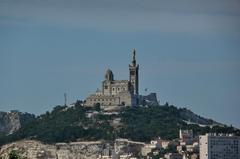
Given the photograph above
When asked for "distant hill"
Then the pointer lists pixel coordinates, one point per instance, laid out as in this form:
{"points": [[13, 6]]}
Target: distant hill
{"points": [[77, 123]]}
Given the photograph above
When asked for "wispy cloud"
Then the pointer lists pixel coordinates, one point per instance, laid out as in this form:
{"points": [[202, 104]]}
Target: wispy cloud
{"points": [[156, 16]]}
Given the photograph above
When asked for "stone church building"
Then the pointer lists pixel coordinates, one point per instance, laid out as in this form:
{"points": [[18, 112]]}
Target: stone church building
{"points": [[119, 92]]}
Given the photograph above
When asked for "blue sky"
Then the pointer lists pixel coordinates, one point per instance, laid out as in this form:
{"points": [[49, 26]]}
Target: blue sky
{"points": [[188, 51]]}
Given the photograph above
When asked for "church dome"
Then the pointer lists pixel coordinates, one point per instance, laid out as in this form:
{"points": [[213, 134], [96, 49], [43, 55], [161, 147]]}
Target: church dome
{"points": [[109, 75]]}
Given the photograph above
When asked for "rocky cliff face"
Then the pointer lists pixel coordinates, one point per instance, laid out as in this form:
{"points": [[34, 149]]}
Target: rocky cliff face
{"points": [[12, 121], [31, 149]]}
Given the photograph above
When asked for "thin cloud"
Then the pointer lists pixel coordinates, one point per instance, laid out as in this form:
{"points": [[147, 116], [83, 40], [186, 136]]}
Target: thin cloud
{"points": [[155, 16]]}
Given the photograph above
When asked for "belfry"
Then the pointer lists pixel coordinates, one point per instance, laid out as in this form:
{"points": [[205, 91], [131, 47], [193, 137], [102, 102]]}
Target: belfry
{"points": [[133, 73]]}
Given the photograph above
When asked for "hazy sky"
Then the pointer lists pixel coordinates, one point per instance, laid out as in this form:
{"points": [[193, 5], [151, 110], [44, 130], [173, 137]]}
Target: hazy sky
{"points": [[188, 51]]}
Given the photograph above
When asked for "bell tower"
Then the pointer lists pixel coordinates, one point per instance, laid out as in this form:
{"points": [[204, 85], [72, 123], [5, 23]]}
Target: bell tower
{"points": [[133, 73]]}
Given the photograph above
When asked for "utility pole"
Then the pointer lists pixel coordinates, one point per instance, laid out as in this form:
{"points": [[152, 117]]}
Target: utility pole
{"points": [[65, 99]]}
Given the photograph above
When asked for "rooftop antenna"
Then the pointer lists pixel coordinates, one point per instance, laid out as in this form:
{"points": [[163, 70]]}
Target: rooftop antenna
{"points": [[65, 99]]}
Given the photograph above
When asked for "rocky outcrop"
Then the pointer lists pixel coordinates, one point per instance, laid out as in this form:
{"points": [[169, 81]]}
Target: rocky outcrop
{"points": [[126, 147], [32, 149], [12, 121]]}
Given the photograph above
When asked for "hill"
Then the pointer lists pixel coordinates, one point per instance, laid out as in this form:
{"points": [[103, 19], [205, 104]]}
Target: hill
{"points": [[77, 123]]}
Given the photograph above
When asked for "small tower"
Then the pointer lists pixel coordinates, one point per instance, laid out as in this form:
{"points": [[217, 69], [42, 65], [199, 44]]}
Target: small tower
{"points": [[133, 73]]}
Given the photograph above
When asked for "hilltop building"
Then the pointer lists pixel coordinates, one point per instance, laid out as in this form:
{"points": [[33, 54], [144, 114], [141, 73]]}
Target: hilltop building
{"points": [[121, 92]]}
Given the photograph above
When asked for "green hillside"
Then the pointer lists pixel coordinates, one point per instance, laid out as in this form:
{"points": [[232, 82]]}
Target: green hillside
{"points": [[65, 124]]}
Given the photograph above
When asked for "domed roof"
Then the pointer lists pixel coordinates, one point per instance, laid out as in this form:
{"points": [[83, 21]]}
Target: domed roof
{"points": [[109, 71], [109, 75]]}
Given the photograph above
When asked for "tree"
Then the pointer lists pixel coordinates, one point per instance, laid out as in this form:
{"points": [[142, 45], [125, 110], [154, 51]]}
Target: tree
{"points": [[97, 107], [78, 103], [14, 155]]}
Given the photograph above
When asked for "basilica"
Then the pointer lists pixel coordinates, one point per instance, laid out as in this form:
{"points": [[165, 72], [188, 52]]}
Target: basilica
{"points": [[120, 92]]}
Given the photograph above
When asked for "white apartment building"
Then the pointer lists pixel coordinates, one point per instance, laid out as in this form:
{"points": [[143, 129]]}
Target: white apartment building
{"points": [[222, 146]]}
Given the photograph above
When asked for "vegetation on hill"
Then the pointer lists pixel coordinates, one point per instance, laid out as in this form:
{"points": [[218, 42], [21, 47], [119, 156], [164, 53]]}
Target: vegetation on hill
{"points": [[15, 155], [145, 123], [65, 124]]}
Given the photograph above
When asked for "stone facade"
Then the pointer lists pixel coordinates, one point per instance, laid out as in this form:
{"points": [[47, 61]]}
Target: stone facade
{"points": [[117, 92]]}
